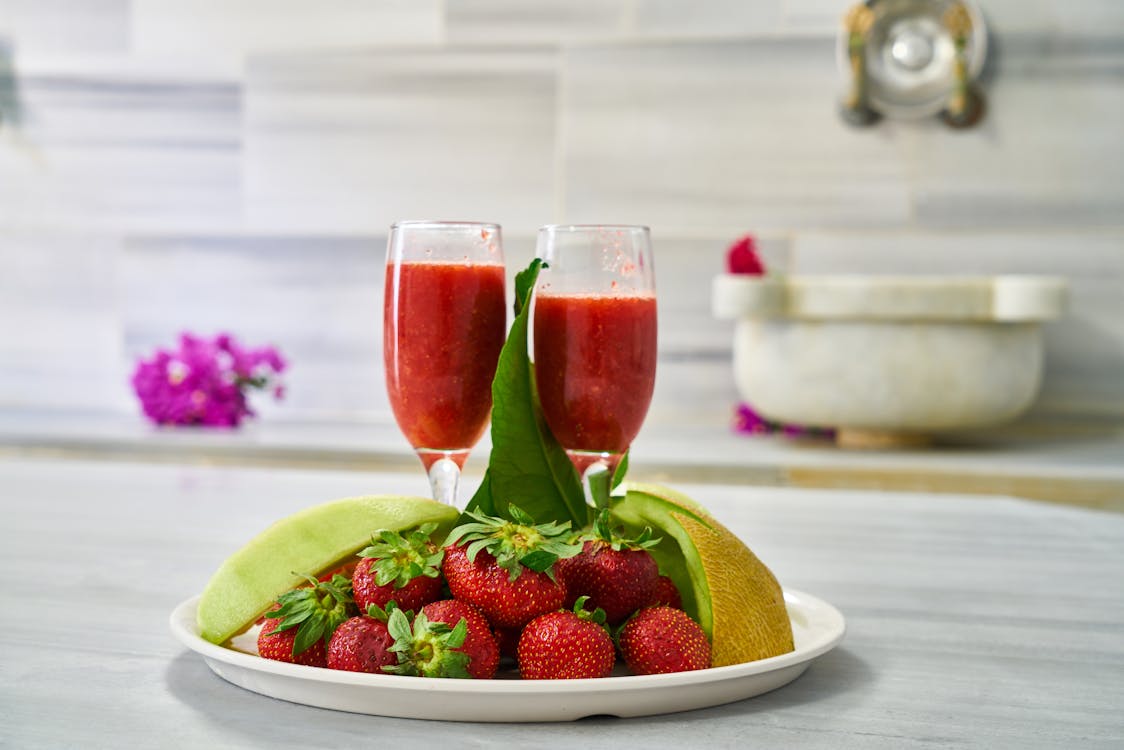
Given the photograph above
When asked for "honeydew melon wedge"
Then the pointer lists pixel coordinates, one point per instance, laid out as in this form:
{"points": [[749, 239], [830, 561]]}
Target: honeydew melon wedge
{"points": [[725, 587], [313, 541]]}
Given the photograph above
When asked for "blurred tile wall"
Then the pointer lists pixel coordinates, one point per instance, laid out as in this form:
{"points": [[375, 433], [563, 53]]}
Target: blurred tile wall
{"points": [[234, 164]]}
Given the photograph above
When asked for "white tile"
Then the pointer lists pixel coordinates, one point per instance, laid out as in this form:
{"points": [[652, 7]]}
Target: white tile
{"points": [[122, 148], [319, 300], [60, 331], [694, 392], [1049, 152], [1073, 253], [1001, 16], [234, 28], [824, 16], [1093, 18], [710, 17], [721, 137], [486, 22], [66, 27], [685, 269], [349, 143]]}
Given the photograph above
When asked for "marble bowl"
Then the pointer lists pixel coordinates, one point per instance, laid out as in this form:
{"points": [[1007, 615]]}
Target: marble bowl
{"points": [[888, 360]]}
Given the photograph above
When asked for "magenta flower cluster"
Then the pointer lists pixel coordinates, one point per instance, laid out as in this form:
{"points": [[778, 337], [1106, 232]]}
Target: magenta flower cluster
{"points": [[204, 381], [747, 421]]}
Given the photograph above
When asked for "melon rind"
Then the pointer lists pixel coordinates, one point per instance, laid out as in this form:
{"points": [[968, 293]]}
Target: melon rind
{"points": [[733, 596], [676, 554], [311, 541]]}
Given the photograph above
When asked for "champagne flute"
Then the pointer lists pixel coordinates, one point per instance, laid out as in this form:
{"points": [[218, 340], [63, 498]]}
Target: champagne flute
{"points": [[594, 341], [444, 322]]}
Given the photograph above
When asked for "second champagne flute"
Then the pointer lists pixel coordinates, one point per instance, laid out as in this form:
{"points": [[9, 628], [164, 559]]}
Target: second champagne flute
{"points": [[444, 323], [595, 340]]}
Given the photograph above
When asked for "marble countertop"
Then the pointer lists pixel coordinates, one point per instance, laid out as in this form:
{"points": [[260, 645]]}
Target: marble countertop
{"points": [[973, 621], [1076, 463]]}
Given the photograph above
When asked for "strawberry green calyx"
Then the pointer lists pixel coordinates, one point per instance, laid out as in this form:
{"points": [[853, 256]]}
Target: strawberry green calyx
{"points": [[604, 532], [316, 611], [375, 612], [428, 649], [596, 616], [516, 544], [400, 559]]}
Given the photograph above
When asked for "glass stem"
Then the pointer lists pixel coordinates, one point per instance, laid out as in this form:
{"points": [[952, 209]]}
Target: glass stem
{"points": [[444, 480], [597, 481]]}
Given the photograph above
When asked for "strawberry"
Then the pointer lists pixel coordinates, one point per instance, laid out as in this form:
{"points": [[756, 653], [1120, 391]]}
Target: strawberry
{"points": [[448, 639], [303, 621], [507, 639], [506, 567], [618, 575], [406, 569], [666, 594], [278, 645], [362, 644], [657, 640], [346, 570], [567, 644]]}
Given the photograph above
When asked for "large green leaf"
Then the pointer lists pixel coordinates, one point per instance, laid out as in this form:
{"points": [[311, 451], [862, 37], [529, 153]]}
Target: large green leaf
{"points": [[527, 467]]}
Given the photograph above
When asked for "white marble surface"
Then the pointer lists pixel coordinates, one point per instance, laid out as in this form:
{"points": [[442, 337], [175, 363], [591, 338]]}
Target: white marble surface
{"points": [[892, 353], [897, 376], [972, 622], [1004, 299]]}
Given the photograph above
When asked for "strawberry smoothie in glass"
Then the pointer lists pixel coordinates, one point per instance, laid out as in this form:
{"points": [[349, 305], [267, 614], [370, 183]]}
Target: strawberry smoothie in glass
{"points": [[444, 322], [594, 337]]}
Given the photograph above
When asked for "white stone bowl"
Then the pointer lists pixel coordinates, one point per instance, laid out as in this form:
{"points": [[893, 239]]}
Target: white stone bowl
{"points": [[888, 360]]}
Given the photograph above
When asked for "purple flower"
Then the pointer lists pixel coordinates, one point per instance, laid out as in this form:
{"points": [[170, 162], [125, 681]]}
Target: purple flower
{"points": [[203, 382], [748, 421]]}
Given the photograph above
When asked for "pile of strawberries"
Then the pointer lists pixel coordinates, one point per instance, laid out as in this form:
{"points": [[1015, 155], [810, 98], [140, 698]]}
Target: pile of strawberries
{"points": [[561, 606]]}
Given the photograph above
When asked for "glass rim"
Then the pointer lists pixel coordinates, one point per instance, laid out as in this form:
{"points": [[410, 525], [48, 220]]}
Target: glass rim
{"points": [[443, 224], [585, 227]]}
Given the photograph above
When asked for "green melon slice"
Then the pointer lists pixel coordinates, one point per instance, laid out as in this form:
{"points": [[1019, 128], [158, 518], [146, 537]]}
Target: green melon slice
{"points": [[725, 587], [313, 541]]}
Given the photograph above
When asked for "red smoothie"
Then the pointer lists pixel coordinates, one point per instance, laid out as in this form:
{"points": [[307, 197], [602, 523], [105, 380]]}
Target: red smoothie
{"points": [[595, 364], [442, 335]]}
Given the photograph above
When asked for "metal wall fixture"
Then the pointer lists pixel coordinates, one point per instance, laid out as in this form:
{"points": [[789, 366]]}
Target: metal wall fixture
{"points": [[912, 59]]}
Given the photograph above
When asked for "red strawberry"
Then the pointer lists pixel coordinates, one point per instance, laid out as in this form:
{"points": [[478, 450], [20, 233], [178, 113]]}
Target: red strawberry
{"points": [[666, 594], [278, 645], [346, 570], [618, 575], [506, 567], [741, 257], [658, 640], [362, 644], [304, 620], [406, 570], [567, 644], [507, 639], [448, 639]]}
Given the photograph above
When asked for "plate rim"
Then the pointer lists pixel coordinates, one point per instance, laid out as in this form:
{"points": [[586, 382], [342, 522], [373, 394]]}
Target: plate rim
{"points": [[185, 629]]}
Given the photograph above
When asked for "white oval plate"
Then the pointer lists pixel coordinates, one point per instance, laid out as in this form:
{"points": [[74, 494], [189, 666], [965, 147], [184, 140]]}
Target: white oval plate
{"points": [[817, 627]]}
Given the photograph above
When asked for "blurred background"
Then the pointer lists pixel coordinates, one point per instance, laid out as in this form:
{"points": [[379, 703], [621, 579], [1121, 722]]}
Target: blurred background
{"points": [[234, 165]]}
